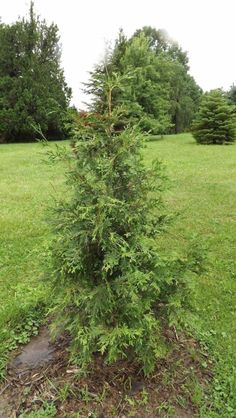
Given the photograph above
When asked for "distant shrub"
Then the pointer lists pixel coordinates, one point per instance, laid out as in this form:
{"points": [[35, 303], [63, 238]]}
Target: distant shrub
{"points": [[152, 125], [215, 120]]}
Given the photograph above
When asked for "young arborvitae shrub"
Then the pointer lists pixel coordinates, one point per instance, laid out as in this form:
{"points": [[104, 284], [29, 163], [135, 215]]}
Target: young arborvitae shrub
{"points": [[117, 289], [215, 120]]}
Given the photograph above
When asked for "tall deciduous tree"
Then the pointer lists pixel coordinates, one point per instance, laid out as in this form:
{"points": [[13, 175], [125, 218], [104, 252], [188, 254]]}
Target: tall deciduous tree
{"points": [[32, 85], [160, 42], [144, 95], [149, 87], [184, 98], [185, 94], [161, 94]]}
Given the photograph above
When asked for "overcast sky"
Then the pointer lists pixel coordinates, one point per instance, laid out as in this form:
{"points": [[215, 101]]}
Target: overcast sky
{"points": [[204, 28]]}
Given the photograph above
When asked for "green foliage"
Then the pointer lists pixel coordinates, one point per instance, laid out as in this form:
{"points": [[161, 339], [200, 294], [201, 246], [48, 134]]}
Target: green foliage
{"points": [[149, 86], [23, 332], [215, 121], [19, 331], [161, 96], [25, 192], [116, 286], [48, 410], [159, 42], [183, 92], [232, 94], [28, 181], [32, 85], [143, 97], [184, 98]]}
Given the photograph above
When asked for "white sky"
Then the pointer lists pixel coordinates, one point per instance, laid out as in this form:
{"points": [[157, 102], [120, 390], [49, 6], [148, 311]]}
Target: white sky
{"points": [[204, 28]]}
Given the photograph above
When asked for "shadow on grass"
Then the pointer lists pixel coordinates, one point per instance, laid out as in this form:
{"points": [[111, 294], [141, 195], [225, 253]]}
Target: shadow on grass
{"points": [[155, 138]]}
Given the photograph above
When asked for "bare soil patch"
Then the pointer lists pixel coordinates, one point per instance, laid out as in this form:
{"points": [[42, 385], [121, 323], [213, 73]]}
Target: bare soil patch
{"points": [[41, 371]]}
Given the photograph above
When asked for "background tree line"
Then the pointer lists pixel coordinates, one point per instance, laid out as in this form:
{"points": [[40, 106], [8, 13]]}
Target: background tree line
{"points": [[160, 93], [157, 91]]}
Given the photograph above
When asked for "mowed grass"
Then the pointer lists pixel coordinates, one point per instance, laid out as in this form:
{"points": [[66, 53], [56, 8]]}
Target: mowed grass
{"points": [[203, 191], [26, 189]]}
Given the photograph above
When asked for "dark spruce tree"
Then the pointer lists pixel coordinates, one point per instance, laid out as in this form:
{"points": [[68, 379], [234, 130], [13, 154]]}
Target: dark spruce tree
{"points": [[215, 120], [116, 288], [32, 85]]}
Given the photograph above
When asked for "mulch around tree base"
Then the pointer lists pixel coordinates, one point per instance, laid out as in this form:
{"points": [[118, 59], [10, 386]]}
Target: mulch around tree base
{"points": [[118, 390]]}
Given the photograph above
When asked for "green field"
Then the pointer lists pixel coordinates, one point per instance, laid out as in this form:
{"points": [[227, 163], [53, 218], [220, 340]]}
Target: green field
{"points": [[203, 180], [26, 190]]}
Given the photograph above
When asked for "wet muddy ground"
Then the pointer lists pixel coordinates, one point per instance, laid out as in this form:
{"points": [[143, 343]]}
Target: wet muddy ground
{"points": [[37, 352], [41, 371], [27, 367]]}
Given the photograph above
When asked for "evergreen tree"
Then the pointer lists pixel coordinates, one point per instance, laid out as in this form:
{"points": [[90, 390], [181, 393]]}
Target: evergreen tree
{"points": [[215, 121], [32, 84], [117, 288]]}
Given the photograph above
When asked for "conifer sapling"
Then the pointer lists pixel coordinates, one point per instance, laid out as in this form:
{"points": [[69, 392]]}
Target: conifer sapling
{"points": [[116, 287]]}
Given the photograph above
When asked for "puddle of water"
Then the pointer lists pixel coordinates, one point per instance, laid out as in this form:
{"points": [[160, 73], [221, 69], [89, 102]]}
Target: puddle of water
{"points": [[37, 352]]}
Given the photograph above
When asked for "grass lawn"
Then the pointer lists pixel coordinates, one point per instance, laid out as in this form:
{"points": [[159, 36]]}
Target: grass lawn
{"points": [[203, 180], [203, 190], [26, 189]]}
